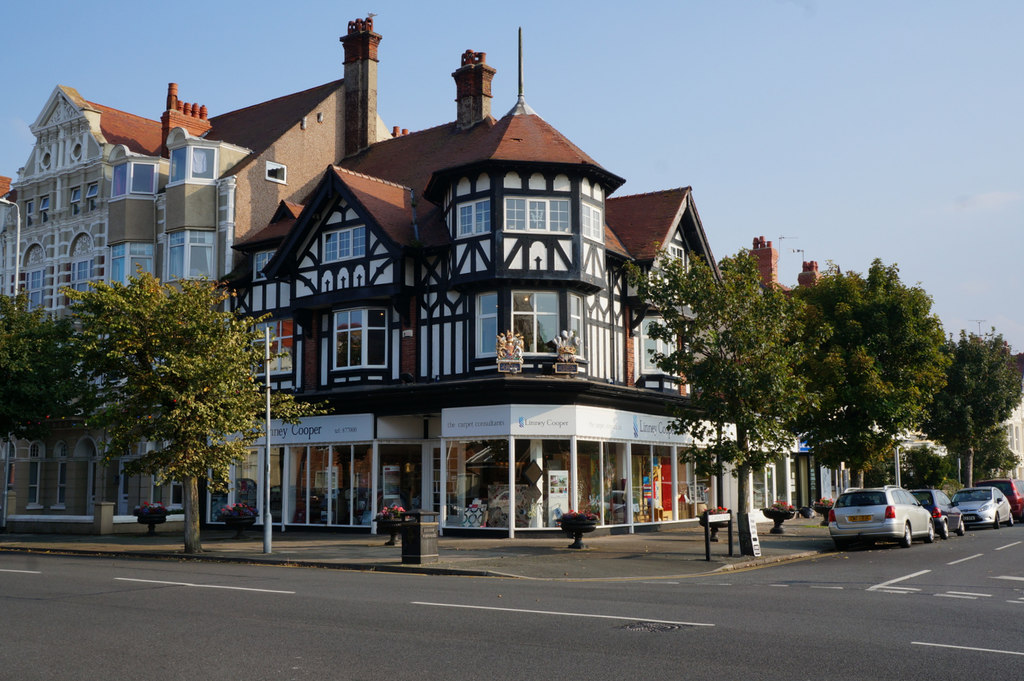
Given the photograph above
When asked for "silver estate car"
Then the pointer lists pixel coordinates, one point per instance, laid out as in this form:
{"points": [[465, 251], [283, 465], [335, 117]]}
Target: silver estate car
{"points": [[879, 513], [983, 506]]}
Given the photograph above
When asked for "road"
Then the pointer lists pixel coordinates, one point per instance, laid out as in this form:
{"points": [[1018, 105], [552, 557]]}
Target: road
{"points": [[951, 607]]}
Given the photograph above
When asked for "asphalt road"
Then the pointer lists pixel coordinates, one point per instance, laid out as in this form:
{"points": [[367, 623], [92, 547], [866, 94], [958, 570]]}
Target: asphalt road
{"points": [[945, 610]]}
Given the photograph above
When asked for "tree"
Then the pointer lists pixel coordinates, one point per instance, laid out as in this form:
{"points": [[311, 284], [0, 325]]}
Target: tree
{"points": [[172, 367], [875, 361], [735, 344], [982, 388], [41, 377], [924, 467]]}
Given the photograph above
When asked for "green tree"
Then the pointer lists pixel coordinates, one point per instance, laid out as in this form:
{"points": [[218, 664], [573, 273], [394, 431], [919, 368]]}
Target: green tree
{"points": [[922, 466], [875, 361], [172, 367], [41, 377], [735, 344], [982, 388]]}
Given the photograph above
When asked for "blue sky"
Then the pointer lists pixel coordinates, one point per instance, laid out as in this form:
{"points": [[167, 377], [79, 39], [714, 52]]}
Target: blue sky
{"points": [[841, 131]]}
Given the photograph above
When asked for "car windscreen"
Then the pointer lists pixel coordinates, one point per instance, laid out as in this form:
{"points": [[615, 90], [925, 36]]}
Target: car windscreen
{"points": [[861, 499], [972, 495], [1003, 486], [923, 497]]}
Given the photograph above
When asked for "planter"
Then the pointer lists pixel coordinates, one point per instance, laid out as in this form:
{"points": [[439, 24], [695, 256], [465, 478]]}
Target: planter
{"points": [[238, 524], [391, 528], [576, 529], [151, 519], [777, 517], [714, 528], [823, 510]]}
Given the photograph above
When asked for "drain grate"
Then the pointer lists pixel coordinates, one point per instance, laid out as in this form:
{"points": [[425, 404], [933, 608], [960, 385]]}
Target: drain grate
{"points": [[653, 627]]}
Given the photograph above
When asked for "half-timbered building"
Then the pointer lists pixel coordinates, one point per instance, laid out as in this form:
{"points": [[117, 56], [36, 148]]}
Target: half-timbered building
{"points": [[458, 298]]}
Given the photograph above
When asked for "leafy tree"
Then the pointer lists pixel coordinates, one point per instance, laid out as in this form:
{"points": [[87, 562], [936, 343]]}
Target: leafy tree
{"points": [[875, 361], [41, 377], [982, 388], [172, 367], [735, 344], [922, 466]]}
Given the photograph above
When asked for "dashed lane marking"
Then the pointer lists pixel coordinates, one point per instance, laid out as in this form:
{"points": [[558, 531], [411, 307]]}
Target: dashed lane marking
{"points": [[979, 650], [964, 560], [884, 585], [1007, 546], [563, 614]]}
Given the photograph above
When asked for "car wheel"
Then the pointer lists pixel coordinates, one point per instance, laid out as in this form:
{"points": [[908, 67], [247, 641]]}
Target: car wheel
{"points": [[930, 537], [960, 528], [944, 529], [908, 538], [995, 523], [1009, 520]]}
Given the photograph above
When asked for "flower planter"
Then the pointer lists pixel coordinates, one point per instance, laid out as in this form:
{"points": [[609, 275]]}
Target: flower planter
{"points": [[823, 510], [238, 524], [777, 517], [390, 527], [576, 529], [714, 527], [151, 519]]}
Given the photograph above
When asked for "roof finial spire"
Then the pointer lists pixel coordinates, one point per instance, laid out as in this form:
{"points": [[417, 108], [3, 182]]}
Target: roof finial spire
{"points": [[521, 106]]}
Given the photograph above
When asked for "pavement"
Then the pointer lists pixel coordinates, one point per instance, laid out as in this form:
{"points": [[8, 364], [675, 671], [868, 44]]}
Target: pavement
{"points": [[668, 552]]}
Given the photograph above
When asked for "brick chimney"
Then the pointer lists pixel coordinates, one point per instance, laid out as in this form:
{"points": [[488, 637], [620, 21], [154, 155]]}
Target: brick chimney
{"points": [[767, 260], [179, 114], [473, 89], [809, 276], [360, 85]]}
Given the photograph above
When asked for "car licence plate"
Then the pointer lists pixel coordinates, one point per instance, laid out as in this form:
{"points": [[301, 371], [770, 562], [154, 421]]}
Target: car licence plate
{"points": [[970, 516], [858, 518]]}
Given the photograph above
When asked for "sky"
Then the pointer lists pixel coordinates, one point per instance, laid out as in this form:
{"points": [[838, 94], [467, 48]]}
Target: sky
{"points": [[842, 131]]}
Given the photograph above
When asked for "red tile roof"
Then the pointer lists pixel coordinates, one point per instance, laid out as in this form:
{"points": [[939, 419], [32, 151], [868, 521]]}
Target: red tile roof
{"points": [[258, 126], [280, 225], [139, 134], [644, 221]]}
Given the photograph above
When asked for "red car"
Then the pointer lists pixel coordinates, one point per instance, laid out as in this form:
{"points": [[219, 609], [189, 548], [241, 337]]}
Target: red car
{"points": [[1012, 489]]}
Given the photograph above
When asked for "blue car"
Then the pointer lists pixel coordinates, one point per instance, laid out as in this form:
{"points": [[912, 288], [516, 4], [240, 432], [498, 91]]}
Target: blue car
{"points": [[945, 515]]}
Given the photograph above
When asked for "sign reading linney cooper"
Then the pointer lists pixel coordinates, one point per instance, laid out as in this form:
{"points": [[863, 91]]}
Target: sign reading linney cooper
{"points": [[321, 430]]}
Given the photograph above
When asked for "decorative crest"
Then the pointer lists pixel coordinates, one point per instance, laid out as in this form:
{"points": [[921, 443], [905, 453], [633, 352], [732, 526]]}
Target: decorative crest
{"points": [[568, 345], [510, 352]]}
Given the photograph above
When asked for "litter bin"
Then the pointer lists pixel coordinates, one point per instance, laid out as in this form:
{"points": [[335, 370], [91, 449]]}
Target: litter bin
{"points": [[419, 537]]}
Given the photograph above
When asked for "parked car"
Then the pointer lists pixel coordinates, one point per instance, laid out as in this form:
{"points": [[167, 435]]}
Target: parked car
{"points": [[1012, 489], [945, 516], [983, 506], [887, 513]]}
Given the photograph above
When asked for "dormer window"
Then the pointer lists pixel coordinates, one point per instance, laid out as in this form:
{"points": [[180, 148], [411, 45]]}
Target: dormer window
{"points": [[133, 178], [277, 172], [193, 163], [537, 214], [344, 244], [259, 261]]}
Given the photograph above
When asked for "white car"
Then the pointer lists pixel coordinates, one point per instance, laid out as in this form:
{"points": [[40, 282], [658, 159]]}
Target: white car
{"points": [[983, 506], [872, 513]]}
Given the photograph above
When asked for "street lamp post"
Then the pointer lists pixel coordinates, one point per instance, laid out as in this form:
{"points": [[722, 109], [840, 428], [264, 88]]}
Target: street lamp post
{"points": [[17, 241]]}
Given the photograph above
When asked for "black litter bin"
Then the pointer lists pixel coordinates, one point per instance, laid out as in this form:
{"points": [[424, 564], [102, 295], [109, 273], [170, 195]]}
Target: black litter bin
{"points": [[419, 537]]}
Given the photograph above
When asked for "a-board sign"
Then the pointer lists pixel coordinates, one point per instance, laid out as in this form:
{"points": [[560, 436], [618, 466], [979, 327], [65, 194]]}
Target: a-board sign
{"points": [[749, 545]]}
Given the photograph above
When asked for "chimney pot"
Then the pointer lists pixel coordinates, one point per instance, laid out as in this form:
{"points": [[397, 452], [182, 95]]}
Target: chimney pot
{"points": [[394, 131], [405, 131]]}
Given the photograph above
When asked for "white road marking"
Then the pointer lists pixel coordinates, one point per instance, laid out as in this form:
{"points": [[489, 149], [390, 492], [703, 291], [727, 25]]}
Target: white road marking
{"points": [[969, 593], [963, 560], [564, 614], [201, 586], [898, 579], [1015, 579], [24, 572], [980, 650], [1017, 602], [1007, 546], [952, 595], [784, 586], [828, 587]]}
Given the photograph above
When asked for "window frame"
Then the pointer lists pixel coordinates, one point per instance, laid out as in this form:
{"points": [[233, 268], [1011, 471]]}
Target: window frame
{"points": [[35, 474], [187, 246], [521, 218], [486, 343], [476, 223], [282, 339], [92, 192], [131, 178], [351, 242], [259, 262], [35, 285], [270, 170], [186, 156], [84, 266], [592, 222], [647, 365], [44, 209], [366, 345], [75, 200], [122, 264], [534, 334]]}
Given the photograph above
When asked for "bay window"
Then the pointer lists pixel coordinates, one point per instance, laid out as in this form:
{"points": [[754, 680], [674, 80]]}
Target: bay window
{"points": [[592, 219], [535, 318], [129, 258], [193, 163], [190, 254], [474, 217], [538, 214], [133, 178], [360, 338]]}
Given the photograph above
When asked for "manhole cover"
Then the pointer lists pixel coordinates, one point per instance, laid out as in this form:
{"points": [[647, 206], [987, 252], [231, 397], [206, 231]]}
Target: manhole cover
{"points": [[650, 626]]}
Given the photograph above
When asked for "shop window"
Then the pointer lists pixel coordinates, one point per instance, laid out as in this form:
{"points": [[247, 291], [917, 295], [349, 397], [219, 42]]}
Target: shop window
{"points": [[477, 484]]}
